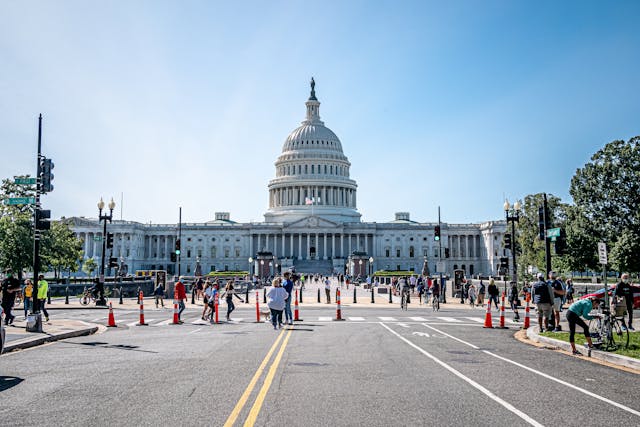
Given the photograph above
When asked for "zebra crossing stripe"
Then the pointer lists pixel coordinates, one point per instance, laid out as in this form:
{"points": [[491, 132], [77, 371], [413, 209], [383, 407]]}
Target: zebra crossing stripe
{"points": [[450, 319], [324, 319], [357, 319], [476, 319], [418, 319], [388, 319]]}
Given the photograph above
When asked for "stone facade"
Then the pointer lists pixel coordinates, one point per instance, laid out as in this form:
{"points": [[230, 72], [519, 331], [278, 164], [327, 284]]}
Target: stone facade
{"points": [[312, 223]]}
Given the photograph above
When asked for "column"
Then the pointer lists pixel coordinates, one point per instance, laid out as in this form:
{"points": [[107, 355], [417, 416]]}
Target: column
{"points": [[349, 236], [366, 243], [342, 245], [266, 241], [459, 248], [283, 248], [291, 244], [250, 244], [324, 254], [317, 246], [333, 245], [299, 245], [308, 245]]}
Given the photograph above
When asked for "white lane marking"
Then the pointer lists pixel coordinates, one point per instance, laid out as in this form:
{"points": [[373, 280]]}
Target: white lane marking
{"points": [[404, 325], [147, 321], [421, 334], [450, 319], [476, 319], [324, 319], [542, 374], [471, 382], [418, 319], [357, 319], [388, 319], [195, 330], [164, 322], [98, 318]]}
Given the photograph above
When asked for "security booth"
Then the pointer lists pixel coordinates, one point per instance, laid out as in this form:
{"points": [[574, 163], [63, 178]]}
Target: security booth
{"points": [[264, 264], [358, 264], [458, 283]]}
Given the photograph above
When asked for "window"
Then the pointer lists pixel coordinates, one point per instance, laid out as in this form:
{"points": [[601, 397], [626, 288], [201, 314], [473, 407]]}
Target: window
{"points": [[213, 252], [425, 252], [306, 169], [237, 253], [189, 239], [397, 253], [188, 253], [200, 253], [386, 252], [313, 169], [226, 253], [411, 251]]}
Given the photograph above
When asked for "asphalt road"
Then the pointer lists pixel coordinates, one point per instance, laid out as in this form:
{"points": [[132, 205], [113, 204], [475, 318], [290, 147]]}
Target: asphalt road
{"points": [[380, 367]]}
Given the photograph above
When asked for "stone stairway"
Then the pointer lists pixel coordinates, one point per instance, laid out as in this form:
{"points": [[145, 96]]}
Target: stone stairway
{"points": [[313, 266]]}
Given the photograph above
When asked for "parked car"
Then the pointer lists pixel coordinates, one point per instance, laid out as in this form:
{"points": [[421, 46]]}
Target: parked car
{"points": [[1, 332], [600, 294]]}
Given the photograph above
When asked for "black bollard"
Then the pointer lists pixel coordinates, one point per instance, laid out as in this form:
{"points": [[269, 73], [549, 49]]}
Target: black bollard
{"points": [[390, 299], [48, 297], [372, 297], [138, 293], [193, 295], [66, 295], [354, 295], [120, 302], [300, 295], [264, 296], [246, 298], [318, 294]]}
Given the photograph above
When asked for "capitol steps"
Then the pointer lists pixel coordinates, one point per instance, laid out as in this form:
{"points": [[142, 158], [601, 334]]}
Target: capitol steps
{"points": [[313, 266]]}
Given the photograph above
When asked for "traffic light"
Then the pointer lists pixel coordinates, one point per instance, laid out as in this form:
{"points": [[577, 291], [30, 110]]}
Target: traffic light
{"points": [[504, 263], [46, 176], [446, 252], [177, 246], [174, 257], [561, 243], [109, 240], [113, 261], [436, 236], [541, 223], [507, 241], [42, 219]]}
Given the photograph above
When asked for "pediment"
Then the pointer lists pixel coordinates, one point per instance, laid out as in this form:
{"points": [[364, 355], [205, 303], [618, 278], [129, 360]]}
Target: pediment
{"points": [[312, 221], [82, 222]]}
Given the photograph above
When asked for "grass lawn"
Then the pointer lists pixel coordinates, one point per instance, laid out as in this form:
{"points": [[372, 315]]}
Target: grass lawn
{"points": [[632, 351]]}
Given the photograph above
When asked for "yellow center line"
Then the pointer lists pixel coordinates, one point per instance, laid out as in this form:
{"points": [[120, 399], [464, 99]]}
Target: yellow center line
{"points": [[255, 409], [245, 396]]}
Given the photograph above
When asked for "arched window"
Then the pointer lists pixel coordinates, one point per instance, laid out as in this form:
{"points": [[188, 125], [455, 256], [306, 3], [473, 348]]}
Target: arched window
{"points": [[312, 169], [455, 266], [410, 251], [306, 169]]}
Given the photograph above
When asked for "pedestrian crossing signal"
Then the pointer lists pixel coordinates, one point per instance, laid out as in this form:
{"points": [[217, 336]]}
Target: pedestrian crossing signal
{"points": [[436, 236]]}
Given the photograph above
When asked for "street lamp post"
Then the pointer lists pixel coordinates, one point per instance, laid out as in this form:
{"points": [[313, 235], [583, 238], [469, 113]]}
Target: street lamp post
{"points": [[512, 214], [371, 278], [104, 218], [262, 269], [250, 269], [360, 268]]}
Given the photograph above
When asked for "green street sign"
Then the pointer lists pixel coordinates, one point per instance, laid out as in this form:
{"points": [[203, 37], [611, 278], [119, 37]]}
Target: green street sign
{"points": [[24, 181], [97, 238], [20, 201], [553, 232]]}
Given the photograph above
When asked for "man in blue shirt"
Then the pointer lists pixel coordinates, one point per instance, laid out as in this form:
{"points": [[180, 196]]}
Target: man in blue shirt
{"points": [[288, 286]]}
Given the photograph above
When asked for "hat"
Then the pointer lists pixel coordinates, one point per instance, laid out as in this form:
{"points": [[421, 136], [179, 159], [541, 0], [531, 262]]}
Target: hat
{"points": [[540, 276]]}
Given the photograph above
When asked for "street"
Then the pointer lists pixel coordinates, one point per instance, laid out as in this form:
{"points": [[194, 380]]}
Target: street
{"points": [[380, 366]]}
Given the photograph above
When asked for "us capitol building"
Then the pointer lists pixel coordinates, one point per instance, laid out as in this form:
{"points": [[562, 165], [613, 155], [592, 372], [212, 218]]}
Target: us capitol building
{"points": [[312, 224]]}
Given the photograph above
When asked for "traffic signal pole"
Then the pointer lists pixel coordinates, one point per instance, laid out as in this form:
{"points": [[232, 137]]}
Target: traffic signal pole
{"points": [[36, 239], [547, 242], [179, 237]]}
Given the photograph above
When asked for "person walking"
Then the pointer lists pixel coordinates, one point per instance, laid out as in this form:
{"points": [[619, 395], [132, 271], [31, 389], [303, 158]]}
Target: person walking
{"points": [[570, 291], [493, 293], [481, 291], [473, 294], [327, 289], [158, 294], [43, 290], [228, 294], [9, 287], [27, 294], [276, 296], [182, 296], [514, 301], [288, 286], [558, 294], [542, 294], [578, 309], [624, 290]]}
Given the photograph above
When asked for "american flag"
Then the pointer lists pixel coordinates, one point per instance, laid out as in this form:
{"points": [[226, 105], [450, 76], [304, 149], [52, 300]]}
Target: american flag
{"points": [[311, 201]]}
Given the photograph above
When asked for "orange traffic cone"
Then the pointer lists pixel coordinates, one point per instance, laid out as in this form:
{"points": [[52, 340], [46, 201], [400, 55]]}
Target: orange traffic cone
{"points": [[502, 326], [141, 322], [487, 317], [258, 307], [112, 320], [176, 318], [526, 314], [338, 309], [296, 313]]}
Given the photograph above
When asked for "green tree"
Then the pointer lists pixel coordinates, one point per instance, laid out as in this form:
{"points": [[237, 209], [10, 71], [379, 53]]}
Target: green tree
{"points": [[624, 254], [16, 242], [61, 249], [89, 266]]}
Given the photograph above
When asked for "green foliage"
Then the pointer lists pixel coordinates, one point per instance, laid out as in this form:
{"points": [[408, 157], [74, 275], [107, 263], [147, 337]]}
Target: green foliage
{"points": [[61, 249], [89, 266], [625, 252], [9, 189], [394, 273], [16, 242]]}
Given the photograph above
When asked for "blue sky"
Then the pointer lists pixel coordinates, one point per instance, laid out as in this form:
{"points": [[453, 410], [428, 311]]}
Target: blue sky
{"points": [[188, 103]]}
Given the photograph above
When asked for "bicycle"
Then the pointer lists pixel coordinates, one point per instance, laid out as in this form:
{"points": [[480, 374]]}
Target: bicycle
{"points": [[404, 301], [435, 302], [87, 297], [608, 331]]}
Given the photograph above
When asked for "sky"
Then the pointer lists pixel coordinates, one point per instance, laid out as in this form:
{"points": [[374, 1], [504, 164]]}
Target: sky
{"points": [[457, 105]]}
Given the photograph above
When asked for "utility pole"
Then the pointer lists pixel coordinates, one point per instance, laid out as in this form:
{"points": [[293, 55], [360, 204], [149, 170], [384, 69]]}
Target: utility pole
{"points": [[547, 242], [179, 238], [36, 238], [442, 292]]}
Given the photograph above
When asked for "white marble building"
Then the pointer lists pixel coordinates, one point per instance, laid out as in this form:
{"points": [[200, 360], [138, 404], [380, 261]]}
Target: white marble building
{"points": [[312, 223]]}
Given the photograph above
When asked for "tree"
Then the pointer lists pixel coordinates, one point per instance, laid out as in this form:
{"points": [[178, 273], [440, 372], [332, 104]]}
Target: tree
{"points": [[89, 266], [61, 249], [624, 254], [16, 242]]}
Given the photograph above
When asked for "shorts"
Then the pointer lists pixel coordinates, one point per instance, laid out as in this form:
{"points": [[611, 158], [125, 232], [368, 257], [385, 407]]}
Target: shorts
{"points": [[557, 303], [544, 309]]}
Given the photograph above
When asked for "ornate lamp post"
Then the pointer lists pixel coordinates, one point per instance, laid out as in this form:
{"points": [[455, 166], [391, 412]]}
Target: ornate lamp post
{"points": [[104, 218], [360, 267], [371, 278], [250, 269], [512, 214], [262, 269]]}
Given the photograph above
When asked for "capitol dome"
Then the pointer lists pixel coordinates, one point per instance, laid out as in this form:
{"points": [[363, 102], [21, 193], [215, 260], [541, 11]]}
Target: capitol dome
{"points": [[312, 174]]}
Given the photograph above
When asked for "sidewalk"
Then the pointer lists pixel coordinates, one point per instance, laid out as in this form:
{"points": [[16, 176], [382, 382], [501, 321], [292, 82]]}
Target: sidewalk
{"points": [[17, 338]]}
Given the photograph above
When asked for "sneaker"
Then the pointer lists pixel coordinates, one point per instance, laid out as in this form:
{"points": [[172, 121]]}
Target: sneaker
{"points": [[557, 330], [290, 322], [624, 328], [576, 353], [631, 328], [46, 319]]}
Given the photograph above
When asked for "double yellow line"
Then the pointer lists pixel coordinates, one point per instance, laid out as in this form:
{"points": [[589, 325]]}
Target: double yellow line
{"points": [[257, 405]]}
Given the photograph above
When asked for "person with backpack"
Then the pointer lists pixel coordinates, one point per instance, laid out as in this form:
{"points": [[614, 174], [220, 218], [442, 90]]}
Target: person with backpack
{"points": [[481, 291], [514, 301], [493, 293], [542, 294]]}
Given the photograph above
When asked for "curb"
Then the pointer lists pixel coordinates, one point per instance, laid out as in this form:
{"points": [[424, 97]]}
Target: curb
{"points": [[616, 359], [30, 342]]}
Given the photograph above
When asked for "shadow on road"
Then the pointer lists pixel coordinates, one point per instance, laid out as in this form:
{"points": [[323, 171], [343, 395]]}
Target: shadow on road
{"points": [[9, 382], [114, 346]]}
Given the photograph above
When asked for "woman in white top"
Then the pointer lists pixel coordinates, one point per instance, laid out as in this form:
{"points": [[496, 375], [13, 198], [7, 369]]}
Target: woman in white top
{"points": [[276, 297]]}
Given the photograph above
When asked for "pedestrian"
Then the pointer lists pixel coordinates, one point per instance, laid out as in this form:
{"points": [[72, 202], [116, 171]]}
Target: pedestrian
{"points": [[481, 292], [570, 291], [493, 292], [542, 294], [207, 295], [420, 289], [558, 293], [43, 290], [228, 294], [581, 308], [327, 289], [514, 301], [158, 294], [473, 294], [625, 291], [27, 294], [182, 296], [288, 286], [199, 288], [10, 285], [276, 296]]}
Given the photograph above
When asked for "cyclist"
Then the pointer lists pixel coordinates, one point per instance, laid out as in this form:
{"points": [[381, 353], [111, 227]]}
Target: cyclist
{"points": [[404, 287], [578, 309], [435, 290]]}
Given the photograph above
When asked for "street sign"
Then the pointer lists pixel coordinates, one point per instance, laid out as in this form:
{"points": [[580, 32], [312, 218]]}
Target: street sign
{"points": [[602, 253], [553, 232], [440, 268], [24, 181], [20, 201], [97, 238]]}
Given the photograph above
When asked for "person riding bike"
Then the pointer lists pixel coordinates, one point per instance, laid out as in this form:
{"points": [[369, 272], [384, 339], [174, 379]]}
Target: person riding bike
{"points": [[404, 287]]}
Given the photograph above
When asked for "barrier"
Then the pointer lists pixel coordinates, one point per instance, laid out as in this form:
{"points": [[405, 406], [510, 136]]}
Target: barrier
{"points": [[296, 313], [318, 295], [338, 309], [501, 325], [246, 297], [258, 307], [354, 295], [526, 313], [176, 318], [390, 299], [112, 319], [141, 299], [487, 317], [216, 306]]}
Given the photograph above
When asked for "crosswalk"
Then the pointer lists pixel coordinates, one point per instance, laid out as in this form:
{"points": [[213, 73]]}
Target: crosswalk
{"points": [[462, 320]]}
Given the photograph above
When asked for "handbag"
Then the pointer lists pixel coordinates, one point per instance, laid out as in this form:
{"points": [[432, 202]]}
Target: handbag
{"points": [[518, 303]]}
